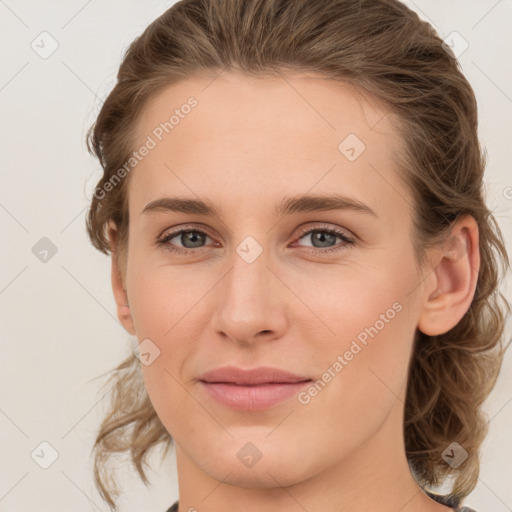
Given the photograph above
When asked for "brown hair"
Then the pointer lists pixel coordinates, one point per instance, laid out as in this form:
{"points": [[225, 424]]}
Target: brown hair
{"points": [[383, 48]]}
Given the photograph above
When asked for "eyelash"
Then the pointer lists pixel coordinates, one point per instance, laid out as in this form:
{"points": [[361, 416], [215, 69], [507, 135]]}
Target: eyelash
{"points": [[347, 241]]}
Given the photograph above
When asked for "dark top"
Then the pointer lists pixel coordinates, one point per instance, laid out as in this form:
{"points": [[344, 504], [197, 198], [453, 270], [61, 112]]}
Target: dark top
{"points": [[447, 500], [444, 500]]}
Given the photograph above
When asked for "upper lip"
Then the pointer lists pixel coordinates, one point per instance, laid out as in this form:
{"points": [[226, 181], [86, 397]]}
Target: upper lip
{"points": [[260, 375]]}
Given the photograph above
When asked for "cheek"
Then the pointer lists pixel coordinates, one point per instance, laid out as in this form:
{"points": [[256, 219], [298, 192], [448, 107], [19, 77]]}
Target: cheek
{"points": [[364, 374], [360, 341], [162, 319], [159, 301], [363, 302], [370, 321]]}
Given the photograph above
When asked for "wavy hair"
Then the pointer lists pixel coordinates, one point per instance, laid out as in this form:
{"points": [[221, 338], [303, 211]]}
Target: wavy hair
{"points": [[381, 48]]}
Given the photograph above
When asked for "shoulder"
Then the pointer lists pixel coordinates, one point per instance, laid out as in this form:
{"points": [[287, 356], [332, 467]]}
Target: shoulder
{"points": [[174, 508]]}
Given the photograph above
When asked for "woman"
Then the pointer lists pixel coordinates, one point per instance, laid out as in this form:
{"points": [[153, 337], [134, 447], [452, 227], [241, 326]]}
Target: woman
{"points": [[292, 199]]}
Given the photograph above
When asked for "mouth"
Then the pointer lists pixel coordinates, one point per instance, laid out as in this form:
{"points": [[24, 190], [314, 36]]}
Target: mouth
{"points": [[251, 390], [252, 397]]}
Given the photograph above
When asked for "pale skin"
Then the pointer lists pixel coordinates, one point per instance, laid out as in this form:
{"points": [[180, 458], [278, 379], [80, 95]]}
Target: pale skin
{"points": [[248, 144]]}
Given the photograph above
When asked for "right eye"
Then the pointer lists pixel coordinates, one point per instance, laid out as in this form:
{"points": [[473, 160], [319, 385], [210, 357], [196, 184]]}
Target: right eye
{"points": [[183, 236]]}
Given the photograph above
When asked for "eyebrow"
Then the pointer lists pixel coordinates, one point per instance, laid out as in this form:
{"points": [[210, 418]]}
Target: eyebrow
{"points": [[289, 205]]}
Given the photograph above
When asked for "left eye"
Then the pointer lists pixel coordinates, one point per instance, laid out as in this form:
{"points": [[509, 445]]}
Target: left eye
{"points": [[326, 236], [193, 238]]}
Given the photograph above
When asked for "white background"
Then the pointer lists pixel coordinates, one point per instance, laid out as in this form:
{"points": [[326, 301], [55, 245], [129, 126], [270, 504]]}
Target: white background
{"points": [[58, 329]]}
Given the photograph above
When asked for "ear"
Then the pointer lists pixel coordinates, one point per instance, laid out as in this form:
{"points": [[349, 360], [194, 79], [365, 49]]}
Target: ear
{"points": [[118, 287], [452, 283]]}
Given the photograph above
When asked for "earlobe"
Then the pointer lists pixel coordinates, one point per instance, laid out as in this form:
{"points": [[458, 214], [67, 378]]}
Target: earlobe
{"points": [[453, 280], [123, 309]]}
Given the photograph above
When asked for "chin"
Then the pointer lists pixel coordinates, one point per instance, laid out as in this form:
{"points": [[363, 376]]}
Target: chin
{"points": [[255, 464], [264, 474]]}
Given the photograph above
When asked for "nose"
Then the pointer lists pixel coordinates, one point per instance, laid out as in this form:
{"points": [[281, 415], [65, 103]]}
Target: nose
{"points": [[252, 302]]}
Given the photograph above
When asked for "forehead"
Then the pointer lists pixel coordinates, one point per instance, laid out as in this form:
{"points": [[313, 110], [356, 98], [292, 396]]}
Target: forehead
{"points": [[297, 133], [305, 104]]}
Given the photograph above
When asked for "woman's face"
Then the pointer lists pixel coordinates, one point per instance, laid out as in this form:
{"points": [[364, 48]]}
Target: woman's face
{"points": [[267, 281]]}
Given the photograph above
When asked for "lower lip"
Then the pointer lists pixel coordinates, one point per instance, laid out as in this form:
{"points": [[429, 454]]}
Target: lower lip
{"points": [[252, 398]]}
